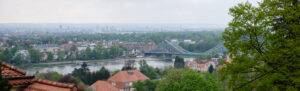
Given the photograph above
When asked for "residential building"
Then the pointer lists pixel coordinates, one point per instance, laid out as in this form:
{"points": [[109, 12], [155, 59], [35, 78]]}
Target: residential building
{"points": [[19, 81], [123, 81], [103, 86], [201, 66]]}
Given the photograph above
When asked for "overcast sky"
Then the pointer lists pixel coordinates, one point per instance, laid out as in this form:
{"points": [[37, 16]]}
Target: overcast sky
{"points": [[117, 11]]}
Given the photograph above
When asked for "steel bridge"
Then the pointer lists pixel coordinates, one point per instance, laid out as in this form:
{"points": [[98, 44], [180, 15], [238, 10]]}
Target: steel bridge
{"points": [[169, 49]]}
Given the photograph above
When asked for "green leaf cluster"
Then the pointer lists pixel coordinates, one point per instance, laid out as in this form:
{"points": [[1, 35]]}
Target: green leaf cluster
{"points": [[263, 43]]}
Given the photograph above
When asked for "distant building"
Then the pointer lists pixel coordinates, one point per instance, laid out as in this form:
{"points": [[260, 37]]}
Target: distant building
{"points": [[149, 46], [174, 41], [19, 81], [201, 66], [48, 48], [188, 41], [123, 81]]}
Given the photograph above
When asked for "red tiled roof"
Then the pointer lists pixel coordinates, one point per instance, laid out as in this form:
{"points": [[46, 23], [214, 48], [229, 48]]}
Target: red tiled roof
{"points": [[46, 85], [11, 71], [17, 77], [122, 77], [128, 76], [103, 86], [21, 80]]}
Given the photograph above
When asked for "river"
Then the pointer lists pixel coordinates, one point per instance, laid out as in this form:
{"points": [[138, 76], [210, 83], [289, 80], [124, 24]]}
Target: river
{"points": [[94, 65]]}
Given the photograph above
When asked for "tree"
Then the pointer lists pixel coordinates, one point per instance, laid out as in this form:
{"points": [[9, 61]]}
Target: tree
{"points": [[99, 52], [148, 70], [88, 52], [2, 55], [187, 80], [211, 69], [4, 86], [17, 59], [148, 85], [35, 55], [61, 55], [73, 53], [263, 44], [53, 76], [8, 54], [179, 62], [82, 73], [68, 79], [115, 51], [50, 56], [102, 74]]}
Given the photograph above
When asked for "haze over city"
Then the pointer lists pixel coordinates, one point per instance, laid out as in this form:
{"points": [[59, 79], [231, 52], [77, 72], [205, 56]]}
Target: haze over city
{"points": [[117, 11], [149, 45]]}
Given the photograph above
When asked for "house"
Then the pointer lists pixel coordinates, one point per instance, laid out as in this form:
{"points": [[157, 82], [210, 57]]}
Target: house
{"points": [[19, 81], [48, 48], [123, 81], [103, 86]]}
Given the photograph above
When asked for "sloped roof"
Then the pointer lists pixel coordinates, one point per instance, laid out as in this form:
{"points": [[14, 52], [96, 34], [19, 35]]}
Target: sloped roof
{"points": [[17, 77], [47, 85], [128, 76], [11, 71], [103, 86], [21, 80]]}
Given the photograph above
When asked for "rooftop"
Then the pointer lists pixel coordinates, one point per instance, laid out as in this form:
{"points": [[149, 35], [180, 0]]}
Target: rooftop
{"points": [[103, 86], [11, 71], [47, 85], [128, 76], [17, 77]]}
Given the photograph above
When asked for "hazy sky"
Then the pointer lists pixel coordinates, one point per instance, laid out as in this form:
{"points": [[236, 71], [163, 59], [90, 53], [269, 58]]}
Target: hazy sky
{"points": [[117, 11]]}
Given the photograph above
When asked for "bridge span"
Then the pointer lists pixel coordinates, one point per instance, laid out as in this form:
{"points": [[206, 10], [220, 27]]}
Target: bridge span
{"points": [[169, 49]]}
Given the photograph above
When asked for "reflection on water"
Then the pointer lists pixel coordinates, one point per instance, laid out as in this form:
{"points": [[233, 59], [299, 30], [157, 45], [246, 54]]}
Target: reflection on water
{"points": [[94, 66]]}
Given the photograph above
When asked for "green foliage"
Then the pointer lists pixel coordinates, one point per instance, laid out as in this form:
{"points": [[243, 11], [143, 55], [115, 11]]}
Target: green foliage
{"points": [[207, 41], [100, 53], [179, 62], [69, 79], [53, 76], [17, 59], [35, 55], [264, 46], [50, 56], [148, 85], [211, 69], [204, 39], [8, 54], [102, 74], [148, 70], [187, 80], [82, 73], [61, 55], [87, 77]]}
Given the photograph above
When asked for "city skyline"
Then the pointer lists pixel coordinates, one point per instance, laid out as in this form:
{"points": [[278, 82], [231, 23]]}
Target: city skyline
{"points": [[117, 11]]}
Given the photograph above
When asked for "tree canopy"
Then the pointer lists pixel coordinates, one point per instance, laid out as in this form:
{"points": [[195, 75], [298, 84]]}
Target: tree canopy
{"points": [[148, 85], [148, 70], [187, 80], [179, 62], [263, 42]]}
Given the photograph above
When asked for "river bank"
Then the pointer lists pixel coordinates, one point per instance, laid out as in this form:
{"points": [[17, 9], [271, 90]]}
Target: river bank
{"points": [[66, 67]]}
